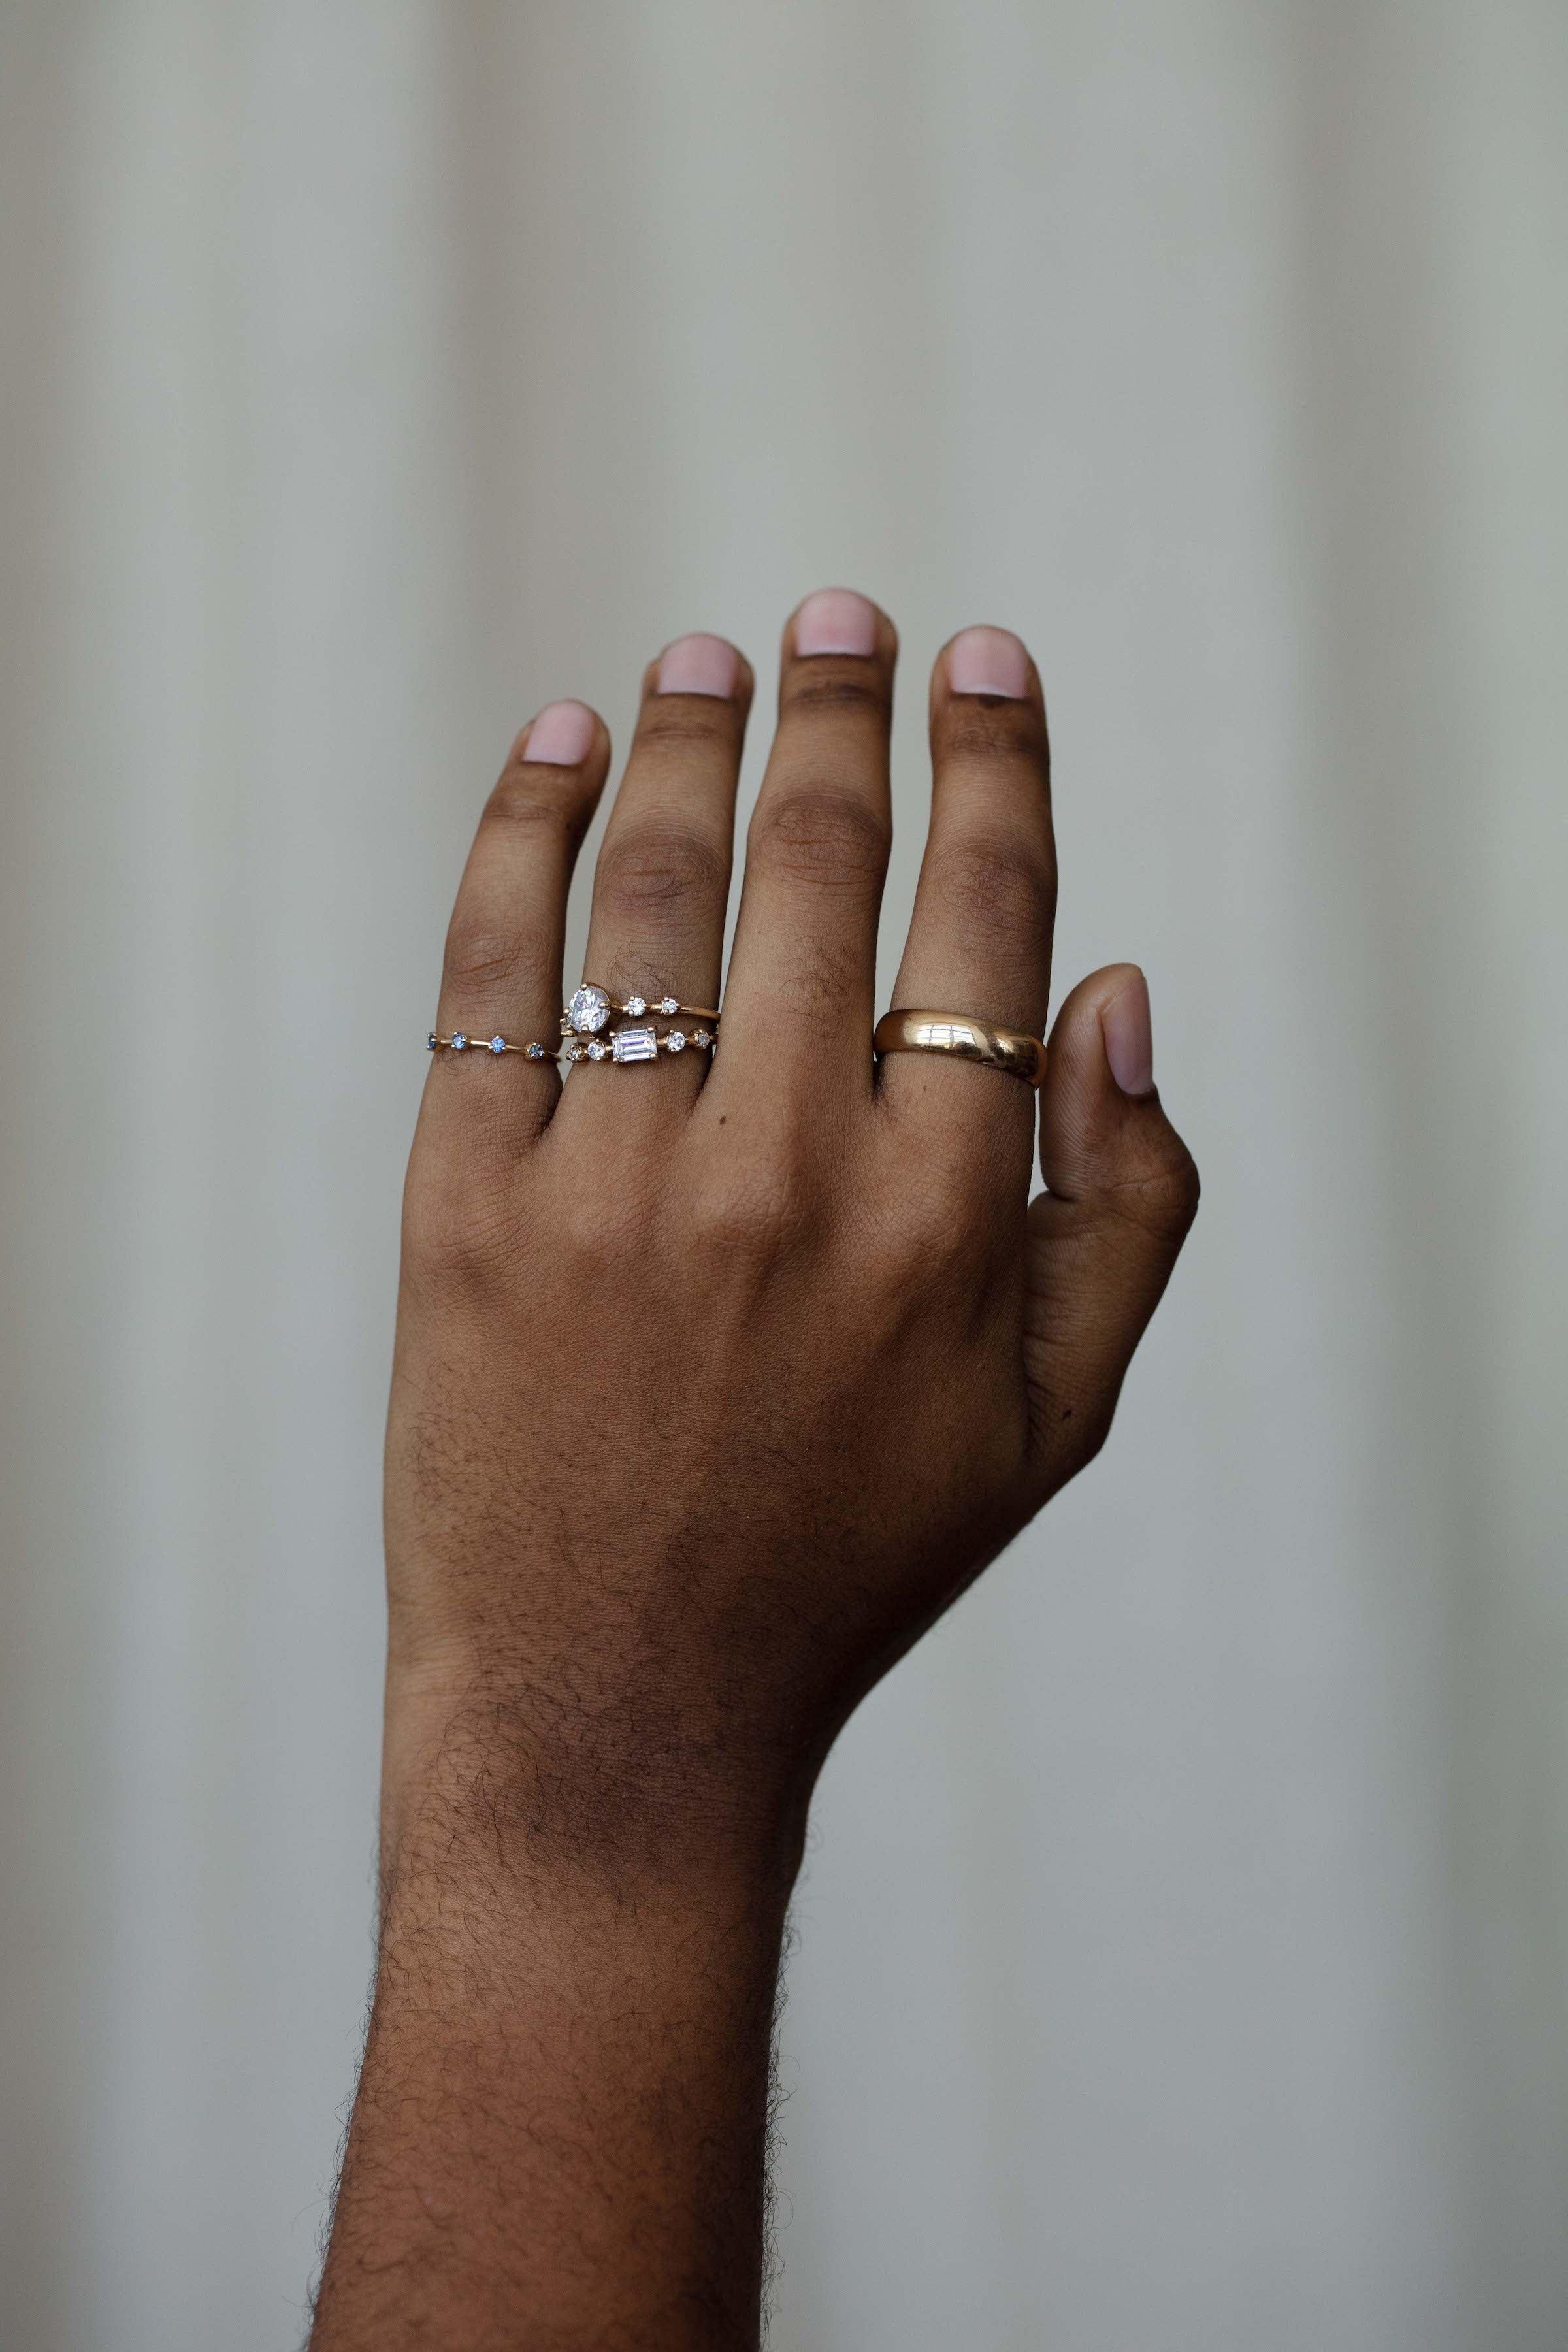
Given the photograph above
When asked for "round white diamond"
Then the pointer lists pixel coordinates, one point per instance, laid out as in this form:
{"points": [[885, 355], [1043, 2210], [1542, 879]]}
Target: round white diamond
{"points": [[458, 1041], [668, 1005], [598, 1049], [700, 1037], [636, 1005], [589, 1008], [677, 1041]]}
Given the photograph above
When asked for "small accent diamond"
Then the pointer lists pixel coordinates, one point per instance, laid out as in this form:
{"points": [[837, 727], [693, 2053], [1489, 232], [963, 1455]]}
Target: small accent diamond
{"points": [[635, 1044], [668, 1005], [497, 1044], [458, 1041], [676, 1041], [589, 1008], [636, 1006], [595, 1049], [535, 1052], [702, 1037]]}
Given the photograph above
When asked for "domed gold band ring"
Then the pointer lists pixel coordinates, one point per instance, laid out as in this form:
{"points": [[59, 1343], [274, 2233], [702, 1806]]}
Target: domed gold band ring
{"points": [[915, 1030]]}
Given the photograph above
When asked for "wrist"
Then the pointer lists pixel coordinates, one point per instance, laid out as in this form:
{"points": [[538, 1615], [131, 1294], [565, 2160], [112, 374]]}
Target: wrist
{"points": [[509, 1784]]}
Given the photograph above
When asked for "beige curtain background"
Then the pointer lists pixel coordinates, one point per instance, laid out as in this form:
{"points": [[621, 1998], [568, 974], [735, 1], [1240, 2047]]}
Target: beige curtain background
{"points": [[1184, 1946]]}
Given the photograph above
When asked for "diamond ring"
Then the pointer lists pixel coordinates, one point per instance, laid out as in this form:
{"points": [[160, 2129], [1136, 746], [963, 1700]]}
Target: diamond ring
{"points": [[588, 1008], [636, 1045]]}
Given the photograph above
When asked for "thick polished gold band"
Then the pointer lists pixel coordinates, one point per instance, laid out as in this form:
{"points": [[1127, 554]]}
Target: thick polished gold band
{"points": [[915, 1030]]}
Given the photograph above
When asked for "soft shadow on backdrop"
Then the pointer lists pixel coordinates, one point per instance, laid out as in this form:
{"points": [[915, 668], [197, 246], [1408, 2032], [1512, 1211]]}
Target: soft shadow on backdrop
{"points": [[1185, 1943]]}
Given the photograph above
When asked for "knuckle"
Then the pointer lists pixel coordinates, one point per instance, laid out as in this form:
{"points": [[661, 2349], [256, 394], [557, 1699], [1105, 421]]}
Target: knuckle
{"points": [[836, 690], [1162, 1199], [459, 1228], [596, 1233], [518, 803], [813, 982], [686, 718], [825, 834], [651, 869], [990, 731], [754, 1209], [994, 889], [938, 1220], [478, 957]]}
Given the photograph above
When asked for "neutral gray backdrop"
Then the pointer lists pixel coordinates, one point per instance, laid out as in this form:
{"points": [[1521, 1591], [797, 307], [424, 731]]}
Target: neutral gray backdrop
{"points": [[1184, 1961]]}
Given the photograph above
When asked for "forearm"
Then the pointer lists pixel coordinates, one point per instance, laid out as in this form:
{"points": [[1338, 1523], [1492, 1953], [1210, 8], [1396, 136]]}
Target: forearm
{"points": [[561, 2130]]}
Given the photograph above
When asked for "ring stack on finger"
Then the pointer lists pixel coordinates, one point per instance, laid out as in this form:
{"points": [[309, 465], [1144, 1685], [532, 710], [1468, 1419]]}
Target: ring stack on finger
{"points": [[588, 1034]]}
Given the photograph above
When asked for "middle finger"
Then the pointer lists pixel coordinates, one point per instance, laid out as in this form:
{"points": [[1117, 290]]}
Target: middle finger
{"points": [[802, 974]]}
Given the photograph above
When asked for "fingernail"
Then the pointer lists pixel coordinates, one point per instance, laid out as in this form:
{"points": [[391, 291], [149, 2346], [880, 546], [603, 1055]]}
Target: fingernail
{"points": [[1128, 1038], [988, 661], [835, 621], [562, 735], [699, 665]]}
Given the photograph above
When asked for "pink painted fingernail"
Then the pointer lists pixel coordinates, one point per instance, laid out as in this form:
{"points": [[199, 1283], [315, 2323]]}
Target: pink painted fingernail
{"points": [[988, 661], [835, 621], [560, 736], [699, 665], [1128, 1038]]}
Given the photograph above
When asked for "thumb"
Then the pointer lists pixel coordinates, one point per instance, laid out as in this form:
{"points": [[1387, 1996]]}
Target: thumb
{"points": [[1102, 1239]]}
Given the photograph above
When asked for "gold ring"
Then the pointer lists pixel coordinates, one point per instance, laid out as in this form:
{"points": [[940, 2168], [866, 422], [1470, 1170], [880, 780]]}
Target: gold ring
{"points": [[916, 1031]]}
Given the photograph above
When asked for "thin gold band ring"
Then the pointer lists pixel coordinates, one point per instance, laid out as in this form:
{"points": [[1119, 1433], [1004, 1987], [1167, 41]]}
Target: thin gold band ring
{"points": [[915, 1030]]}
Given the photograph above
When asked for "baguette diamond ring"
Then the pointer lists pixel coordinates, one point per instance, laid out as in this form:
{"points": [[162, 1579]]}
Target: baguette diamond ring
{"points": [[636, 1045]]}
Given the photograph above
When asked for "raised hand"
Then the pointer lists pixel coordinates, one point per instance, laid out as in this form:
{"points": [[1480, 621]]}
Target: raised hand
{"points": [[720, 1374]]}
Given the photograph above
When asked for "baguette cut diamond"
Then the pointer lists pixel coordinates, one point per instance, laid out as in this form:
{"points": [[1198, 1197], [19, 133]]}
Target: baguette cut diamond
{"points": [[589, 1008], [635, 1044]]}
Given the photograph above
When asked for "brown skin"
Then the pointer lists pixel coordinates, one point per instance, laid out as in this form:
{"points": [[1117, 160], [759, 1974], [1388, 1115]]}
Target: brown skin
{"points": [[713, 1387]]}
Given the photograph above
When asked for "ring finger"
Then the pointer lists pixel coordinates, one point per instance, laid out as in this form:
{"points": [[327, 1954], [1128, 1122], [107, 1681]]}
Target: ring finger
{"points": [[655, 930]]}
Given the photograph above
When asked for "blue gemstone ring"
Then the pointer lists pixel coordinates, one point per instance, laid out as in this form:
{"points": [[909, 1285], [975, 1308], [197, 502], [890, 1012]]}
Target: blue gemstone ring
{"points": [[459, 1041]]}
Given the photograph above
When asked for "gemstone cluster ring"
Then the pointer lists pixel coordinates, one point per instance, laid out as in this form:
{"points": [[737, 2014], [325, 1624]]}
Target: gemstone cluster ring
{"points": [[588, 1034], [588, 1008]]}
